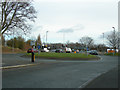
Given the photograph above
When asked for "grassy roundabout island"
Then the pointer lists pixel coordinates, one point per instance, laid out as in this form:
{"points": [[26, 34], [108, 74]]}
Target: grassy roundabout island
{"points": [[65, 56], [111, 54]]}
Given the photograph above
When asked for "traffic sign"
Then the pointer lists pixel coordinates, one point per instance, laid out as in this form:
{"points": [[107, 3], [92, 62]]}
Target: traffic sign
{"points": [[39, 46], [32, 43]]}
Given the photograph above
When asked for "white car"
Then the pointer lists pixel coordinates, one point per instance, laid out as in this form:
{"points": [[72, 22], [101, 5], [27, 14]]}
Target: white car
{"points": [[44, 50], [68, 50]]}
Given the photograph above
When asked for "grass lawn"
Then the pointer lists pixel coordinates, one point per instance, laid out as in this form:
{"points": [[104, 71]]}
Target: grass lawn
{"points": [[111, 54], [63, 55]]}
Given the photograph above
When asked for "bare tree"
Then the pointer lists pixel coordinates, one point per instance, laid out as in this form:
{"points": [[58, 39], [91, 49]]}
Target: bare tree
{"points": [[16, 15], [86, 41], [113, 39]]}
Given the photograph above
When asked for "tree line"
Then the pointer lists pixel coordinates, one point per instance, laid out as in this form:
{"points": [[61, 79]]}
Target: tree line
{"points": [[82, 44], [19, 42]]}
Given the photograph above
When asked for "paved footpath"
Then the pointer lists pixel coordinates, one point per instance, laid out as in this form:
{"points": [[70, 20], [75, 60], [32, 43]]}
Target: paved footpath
{"points": [[15, 60]]}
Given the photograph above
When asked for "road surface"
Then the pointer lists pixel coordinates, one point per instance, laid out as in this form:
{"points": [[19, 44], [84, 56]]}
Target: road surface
{"points": [[56, 73]]}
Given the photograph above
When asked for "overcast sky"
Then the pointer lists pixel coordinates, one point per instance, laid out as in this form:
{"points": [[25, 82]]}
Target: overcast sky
{"points": [[72, 19]]}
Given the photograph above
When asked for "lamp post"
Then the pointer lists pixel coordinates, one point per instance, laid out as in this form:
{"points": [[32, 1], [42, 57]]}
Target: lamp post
{"points": [[46, 37], [103, 38], [114, 42], [114, 31], [63, 37], [13, 41], [118, 41], [43, 37], [103, 43]]}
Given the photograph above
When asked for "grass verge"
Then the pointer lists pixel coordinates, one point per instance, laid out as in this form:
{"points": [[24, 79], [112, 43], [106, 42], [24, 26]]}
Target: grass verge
{"points": [[111, 54], [64, 56]]}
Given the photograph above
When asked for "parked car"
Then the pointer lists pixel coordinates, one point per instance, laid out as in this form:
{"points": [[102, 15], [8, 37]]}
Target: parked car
{"points": [[30, 50], [73, 50], [68, 50], [53, 50], [59, 51], [93, 52], [44, 50], [77, 51]]}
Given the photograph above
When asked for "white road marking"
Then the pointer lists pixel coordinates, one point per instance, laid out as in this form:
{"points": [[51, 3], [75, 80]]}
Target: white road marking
{"points": [[100, 58], [16, 66], [87, 82]]}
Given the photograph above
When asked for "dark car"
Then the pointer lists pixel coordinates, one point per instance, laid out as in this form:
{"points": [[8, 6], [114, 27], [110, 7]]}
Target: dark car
{"points": [[59, 51], [30, 50], [93, 52]]}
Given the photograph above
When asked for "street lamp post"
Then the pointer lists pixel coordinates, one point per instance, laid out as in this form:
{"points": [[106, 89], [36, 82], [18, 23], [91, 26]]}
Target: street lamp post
{"points": [[63, 37], [114, 31], [103, 43], [13, 41], [118, 41], [114, 40], [46, 37], [103, 38], [43, 37]]}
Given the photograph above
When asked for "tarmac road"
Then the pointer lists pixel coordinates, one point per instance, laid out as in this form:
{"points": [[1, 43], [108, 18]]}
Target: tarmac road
{"points": [[57, 73], [105, 80]]}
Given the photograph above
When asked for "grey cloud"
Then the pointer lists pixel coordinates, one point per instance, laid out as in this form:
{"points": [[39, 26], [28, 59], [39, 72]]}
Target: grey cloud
{"points": [[78, 27], [72, 29], [69, 30]]}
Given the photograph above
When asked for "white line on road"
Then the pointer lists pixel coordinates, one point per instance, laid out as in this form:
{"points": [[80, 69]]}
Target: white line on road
{"points": [[16, 66], [90, 80], [84, 84], [100, 57]]}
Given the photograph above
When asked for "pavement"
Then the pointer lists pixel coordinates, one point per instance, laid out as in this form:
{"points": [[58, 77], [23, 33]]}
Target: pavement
{"points": [[108, 79], [18, 61]]}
